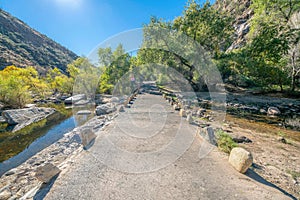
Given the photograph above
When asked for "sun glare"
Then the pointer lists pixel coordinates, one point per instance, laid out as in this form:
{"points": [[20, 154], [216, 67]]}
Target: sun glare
{"points": [[69, 3]]}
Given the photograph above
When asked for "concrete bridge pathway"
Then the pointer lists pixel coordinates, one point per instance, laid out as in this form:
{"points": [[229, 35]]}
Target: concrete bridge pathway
{"points": [[150, 152]]}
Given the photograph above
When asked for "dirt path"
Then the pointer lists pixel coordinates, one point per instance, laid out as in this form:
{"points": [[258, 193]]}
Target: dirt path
{"points": [[149, 152]]}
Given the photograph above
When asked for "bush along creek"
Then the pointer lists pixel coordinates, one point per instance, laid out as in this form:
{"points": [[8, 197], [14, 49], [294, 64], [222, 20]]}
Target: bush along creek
{"points": [[30, 137]]}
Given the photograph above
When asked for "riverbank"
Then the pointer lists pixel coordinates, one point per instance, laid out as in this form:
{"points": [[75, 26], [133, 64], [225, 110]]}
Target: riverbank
{"points": [[275, 144], [14, 142], [21, 181], [275, 152]]}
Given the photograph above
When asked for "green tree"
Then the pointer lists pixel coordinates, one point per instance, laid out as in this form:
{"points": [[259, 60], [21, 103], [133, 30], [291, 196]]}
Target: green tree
{"points": [[84, 76], [114, 65], [59, 82], [19, 85], [273, 37], [210, 27]]}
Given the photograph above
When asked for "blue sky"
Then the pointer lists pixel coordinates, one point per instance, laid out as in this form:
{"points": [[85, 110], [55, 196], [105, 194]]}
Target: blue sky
{"points": [[81, 25]]}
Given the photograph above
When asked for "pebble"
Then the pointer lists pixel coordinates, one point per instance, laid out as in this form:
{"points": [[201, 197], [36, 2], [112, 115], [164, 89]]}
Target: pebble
{"points": [[5, 195]]}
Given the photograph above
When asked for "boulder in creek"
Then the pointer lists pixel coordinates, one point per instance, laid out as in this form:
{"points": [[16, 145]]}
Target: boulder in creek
{"points": [[81, 102], [240, 159], [262, 111], [273, 111], [75, 98], [105, 109], [114, 100], [26, 116], [84, 112]]}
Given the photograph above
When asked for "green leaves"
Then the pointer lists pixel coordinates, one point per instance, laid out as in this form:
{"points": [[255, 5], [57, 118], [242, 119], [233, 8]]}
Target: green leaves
{"points": [[113, 65], [210, 27], [273, 36], [15, 85]]}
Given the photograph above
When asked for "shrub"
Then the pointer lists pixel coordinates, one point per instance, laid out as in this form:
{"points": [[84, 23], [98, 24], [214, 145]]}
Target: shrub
{"points": [[225, 142]]}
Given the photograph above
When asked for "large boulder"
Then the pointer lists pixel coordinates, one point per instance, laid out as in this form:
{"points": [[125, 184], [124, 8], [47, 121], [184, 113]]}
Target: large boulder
{"points": [[47, 172], [81, 102], [105, 109], [240, 159], [75, 98], [19, 116], [84, 112], [87, 137], [114, 100], [273, 111]]}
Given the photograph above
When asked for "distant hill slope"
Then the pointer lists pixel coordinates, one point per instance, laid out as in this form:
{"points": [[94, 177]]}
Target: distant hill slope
{"points": [[23, 46]]}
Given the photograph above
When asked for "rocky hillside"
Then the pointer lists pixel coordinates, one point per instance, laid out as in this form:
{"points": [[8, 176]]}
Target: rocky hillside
{"points": [[241, 11], [23, 46]]}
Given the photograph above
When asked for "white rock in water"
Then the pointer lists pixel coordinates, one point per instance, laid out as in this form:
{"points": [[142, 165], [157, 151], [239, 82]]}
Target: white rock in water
{"points": [[81, 102], [75, 98], [273, 111], [114, 100], [19, 116], [240, 159], [84, 112], [105, 109]]}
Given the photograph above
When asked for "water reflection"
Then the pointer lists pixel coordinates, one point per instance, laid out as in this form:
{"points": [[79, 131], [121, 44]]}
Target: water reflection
{"points": [[27, 145]]}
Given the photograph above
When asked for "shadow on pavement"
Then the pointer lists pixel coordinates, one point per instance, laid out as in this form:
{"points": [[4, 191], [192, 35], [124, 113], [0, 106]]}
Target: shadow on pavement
{"points": [[252, 174], [44, 189]]}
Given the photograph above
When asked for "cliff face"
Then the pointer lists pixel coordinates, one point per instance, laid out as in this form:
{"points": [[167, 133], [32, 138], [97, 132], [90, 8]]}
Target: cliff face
{"points": [[23, 46], [240, 10]]}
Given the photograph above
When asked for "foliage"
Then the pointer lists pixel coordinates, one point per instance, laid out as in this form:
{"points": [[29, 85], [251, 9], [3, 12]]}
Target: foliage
{"points": [[59, 82], [295, 175], [206, 25], [273, 39], [61, 108], [17, 85], [84, 76], [225, 142], [114, 65]]}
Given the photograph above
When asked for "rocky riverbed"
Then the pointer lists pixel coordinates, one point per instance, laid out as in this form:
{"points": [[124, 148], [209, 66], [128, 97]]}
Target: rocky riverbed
{"points": [[258, 124]]}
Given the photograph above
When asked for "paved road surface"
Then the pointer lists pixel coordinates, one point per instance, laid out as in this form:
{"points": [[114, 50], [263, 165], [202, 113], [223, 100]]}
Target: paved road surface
{"points": [[141, 155]]}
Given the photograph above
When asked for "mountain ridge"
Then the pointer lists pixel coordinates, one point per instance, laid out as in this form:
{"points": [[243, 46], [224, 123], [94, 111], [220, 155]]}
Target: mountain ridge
{"points": [[23, 46]]}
